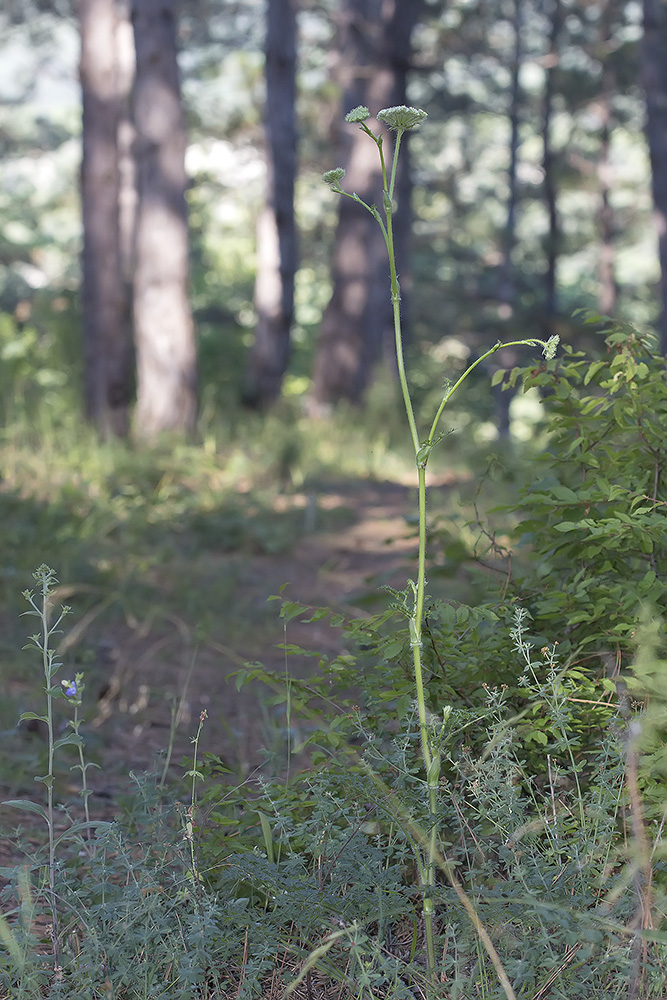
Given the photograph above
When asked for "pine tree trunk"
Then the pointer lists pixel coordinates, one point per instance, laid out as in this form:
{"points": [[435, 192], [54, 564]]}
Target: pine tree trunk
{"points": [[164, 328], [106, 326], [654, 64], [127, 167], [276, 228], [553, 238], [507, 290], [607, 261], [357, 323]]}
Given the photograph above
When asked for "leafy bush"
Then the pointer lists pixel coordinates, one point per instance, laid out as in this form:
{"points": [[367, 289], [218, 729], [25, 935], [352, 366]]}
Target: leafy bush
{"points": [[595, 515]]}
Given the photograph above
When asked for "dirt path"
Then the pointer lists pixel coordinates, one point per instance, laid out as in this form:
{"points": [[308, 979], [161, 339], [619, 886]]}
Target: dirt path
{"points": [[148, 673], [145, 673]]}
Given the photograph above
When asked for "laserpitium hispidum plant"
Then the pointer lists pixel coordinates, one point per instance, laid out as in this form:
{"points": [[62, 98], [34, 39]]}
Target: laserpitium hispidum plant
{"points": [[401, 120]]}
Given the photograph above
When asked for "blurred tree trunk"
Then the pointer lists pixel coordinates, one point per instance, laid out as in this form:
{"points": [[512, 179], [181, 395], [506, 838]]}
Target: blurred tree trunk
{"points": [[106, 323], [374, 55], [553, 239], [164, 328], [276, 227], [606, 266], [127, 168], [507, 291], [654, 64]]}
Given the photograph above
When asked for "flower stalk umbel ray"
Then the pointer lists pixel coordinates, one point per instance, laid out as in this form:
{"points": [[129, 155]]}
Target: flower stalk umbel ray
{"points": [[400, 120]]}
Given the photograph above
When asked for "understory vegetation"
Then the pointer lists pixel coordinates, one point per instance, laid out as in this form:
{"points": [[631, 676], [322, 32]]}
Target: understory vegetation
{"points": [[545, 704], [470, 796]]}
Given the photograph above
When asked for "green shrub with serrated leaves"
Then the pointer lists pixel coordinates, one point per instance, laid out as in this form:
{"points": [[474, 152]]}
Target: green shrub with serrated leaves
{"points": [[595, 516]]}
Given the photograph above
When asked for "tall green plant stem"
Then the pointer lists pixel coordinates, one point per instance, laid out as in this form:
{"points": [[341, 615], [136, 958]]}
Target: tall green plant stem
{"points": [[47, 664], [402, 119], [50, 664], [388, 233]]}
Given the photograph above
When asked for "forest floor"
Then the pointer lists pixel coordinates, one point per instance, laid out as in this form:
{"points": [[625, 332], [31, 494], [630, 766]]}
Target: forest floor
{"points": [[356, 539], [343, 568], [143, 674]]}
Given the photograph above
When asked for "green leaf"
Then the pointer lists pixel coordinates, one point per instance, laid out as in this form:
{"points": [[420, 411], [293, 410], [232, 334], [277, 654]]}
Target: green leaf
{"points": [[291, 609], [574, 445], [99, 825], [646, 544], [565, 493], [317, 615], [579, 616], [10, 873], [294, 650], [86, 766], [70, 740], [28, 806], [593, 370], [25, 716], [267, 835], [595, 405]]}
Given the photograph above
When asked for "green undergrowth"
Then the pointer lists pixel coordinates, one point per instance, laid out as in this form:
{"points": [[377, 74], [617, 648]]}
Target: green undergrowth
{"points": [[158, 542], [471, 792], [102, 510], [135, 523], [216, 889], [550, 809]]}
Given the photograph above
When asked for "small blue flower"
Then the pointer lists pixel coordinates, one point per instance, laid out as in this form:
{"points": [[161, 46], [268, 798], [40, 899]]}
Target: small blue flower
{"points": [[71, 689]]}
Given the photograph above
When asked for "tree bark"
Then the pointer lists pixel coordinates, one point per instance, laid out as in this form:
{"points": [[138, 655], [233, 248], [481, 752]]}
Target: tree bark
{"points": [[127, 167], [507, 290], [357, 323], [106, 325], [164, 328], [607, 262], [553, 239], [654, 67], [276, 227]]}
